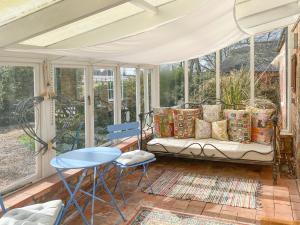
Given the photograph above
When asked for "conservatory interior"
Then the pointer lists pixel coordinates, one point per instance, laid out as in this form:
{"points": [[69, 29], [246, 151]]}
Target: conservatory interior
{"points": [[149, 112]]}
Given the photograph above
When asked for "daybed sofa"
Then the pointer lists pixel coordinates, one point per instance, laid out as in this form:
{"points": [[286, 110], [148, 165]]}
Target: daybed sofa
{"points": [[247, 152]]}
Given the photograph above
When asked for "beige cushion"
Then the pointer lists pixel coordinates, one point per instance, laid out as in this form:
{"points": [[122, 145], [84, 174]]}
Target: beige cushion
{"points": [[38, 214], [211, 113], [219, 130], [202, 129], [133, 157], [232, 149]]}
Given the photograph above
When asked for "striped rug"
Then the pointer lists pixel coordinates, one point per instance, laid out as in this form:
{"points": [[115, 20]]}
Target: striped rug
{"points": [[155, 216], [231, 191]]}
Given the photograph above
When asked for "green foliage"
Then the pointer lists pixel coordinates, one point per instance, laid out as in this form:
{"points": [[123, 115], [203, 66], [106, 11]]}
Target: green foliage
{"points": [[16, 83], [171, 85], [235, 87], [27, 142], [129, 99]]}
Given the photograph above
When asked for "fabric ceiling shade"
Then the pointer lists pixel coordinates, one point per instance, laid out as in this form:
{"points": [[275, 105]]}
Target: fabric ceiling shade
{"points": [[258, 16], [156, 32]]}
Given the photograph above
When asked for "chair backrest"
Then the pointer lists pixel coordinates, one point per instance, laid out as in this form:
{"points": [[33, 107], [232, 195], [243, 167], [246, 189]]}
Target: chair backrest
{"points": [[2, 204], [124, 130]]}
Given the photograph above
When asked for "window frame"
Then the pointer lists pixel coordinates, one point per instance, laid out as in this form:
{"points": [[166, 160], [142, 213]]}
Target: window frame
{"points": [[39, 167]]}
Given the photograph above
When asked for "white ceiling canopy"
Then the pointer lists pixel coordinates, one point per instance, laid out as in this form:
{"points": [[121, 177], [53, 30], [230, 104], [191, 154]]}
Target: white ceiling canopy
{"points": [[256, 16], [137, 31]]}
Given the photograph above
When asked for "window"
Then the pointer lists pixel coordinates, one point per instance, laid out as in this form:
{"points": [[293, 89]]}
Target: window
{"points": [[17, 150], [202, 78], [69, 82], [267, 46], [171, 84], [128, 78], [103, 103], [235, 72]]}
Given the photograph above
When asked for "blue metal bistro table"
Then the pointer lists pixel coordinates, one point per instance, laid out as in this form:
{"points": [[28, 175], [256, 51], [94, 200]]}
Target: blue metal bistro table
{"points": [[87, 158]]}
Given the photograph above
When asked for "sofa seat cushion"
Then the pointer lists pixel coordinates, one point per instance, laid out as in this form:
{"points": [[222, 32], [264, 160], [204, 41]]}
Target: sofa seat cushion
{"points": [[134, 157], [234, 150], [38, 214]]}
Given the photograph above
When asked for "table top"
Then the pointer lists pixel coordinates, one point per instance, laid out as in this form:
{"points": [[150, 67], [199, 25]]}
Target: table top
{"points": [[85, 158]]}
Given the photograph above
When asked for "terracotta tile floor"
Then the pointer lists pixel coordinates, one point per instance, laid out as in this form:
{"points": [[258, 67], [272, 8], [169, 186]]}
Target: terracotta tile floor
{"points": [[279, 203]]}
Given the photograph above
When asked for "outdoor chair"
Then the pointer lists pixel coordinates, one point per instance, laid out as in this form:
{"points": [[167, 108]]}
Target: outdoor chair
{"points": [[131, 159], [49, 213]]}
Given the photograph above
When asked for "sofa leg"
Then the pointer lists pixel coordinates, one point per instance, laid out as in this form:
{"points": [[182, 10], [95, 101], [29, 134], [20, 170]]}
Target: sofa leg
{"points": [[275, 173]]}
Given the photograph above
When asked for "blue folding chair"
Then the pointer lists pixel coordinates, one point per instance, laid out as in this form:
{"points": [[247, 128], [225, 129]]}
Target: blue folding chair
{"points": [[133, 158], [49, 213]]}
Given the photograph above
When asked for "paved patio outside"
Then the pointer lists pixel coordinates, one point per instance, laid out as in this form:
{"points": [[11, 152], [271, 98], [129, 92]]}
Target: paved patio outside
{"points": [[279, 203]]}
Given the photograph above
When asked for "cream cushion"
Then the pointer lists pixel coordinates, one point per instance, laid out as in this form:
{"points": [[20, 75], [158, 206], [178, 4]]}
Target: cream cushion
{"points": [[133, 157], [38, 214], [232, 149]]}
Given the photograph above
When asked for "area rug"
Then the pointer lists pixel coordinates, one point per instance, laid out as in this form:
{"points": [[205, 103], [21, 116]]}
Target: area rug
{"points": [[231, 191], [154, 216]]}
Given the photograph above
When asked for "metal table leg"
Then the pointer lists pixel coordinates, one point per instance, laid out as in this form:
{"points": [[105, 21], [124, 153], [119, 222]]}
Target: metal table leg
{"points": [[72, 194]]}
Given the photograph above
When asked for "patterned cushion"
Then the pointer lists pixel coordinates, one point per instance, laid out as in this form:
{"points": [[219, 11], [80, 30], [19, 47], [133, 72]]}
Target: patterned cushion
{"points": [[211, 113], [163, 122], [38, 214], [239, 125], [219, 130], [134, 157], [262, 128], [202, 129], [184, 122]]}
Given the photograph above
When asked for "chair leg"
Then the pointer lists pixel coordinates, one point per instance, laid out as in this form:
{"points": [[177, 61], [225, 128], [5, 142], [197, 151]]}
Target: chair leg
{"points": [[141, 178], [118, 184], [145, 172]]}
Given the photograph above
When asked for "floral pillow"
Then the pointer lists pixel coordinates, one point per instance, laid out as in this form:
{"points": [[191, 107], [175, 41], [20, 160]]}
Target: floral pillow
{"points": [[211, 113], [202, 129], [184, 122], [219, 130], [239, 125], [262, 127], [163, 122]]}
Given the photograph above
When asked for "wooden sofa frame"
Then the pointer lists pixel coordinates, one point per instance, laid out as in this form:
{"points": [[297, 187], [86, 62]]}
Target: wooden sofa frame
{"points": [[147, 126]]}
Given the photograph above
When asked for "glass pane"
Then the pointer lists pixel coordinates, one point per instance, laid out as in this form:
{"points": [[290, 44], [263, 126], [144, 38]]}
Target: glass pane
{"points": [[17, 155], [69, 82], [103, 103], [266, 72], [84, 25], [128, 94], [235, 72], [202, 78], [171, 84]]}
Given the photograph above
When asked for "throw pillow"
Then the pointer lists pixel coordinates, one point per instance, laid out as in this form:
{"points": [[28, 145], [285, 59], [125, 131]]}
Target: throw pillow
{"points": [[184, 122], [219, 130], [163, 122], [239, 125], [162, 126], [202, 129], [212, 113], [262, 127]]}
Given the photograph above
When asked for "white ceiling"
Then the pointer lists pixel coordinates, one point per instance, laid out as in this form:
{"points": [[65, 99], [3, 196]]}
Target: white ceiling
{"points": [[136, 31]]}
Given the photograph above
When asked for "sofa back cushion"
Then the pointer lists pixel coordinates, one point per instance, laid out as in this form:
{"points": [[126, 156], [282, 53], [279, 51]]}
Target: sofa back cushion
{"points": [[184, 122], [163, 122], [212, 113], [219, 130], [239, 125], [202, 129], [262, 127]]}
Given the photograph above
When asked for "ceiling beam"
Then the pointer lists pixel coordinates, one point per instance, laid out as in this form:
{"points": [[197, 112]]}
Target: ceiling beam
{"points": [[52, 17], [269, 15], [130, 26], [145, 5]]}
